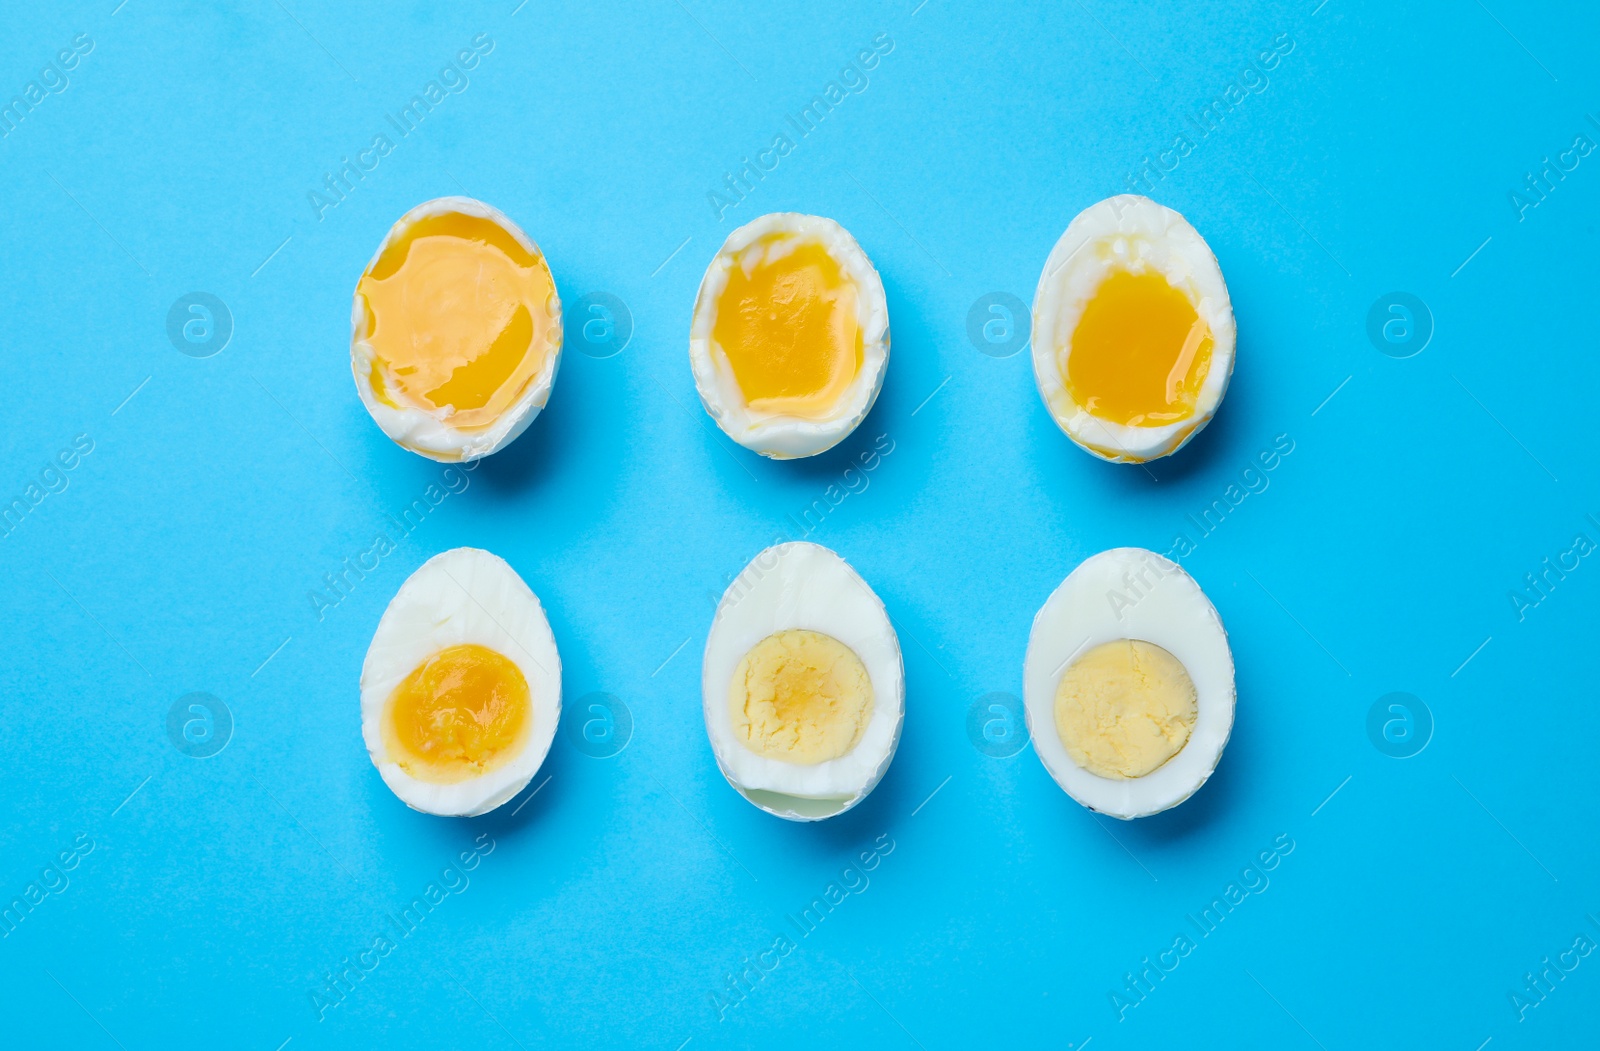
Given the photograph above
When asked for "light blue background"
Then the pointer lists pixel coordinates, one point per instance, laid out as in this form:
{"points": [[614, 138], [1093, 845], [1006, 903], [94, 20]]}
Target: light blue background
{"points": [[1382, 555]]}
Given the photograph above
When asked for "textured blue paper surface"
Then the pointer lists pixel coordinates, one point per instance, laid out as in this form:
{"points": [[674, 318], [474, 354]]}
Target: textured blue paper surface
{"points": [[1322, 891]]}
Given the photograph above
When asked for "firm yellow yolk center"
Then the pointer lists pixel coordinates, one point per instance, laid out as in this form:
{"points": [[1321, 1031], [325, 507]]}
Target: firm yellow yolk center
{"points": [[459, 315], [459, 714], [800, 696], [1124, 708], [789, 331], [1140, 353]]}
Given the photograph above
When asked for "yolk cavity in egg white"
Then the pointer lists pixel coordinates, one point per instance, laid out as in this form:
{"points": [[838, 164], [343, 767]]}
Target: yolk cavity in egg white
{"points": [[1124, 708], [458, 315], [789, 330], [1140, 352], [459, 714], [800, 697]]}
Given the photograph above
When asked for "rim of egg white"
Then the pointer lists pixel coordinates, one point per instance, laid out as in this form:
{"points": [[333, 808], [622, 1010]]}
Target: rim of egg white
{"points": [[776, 435], [717, 667], [1065, 628], [1128, 229], [531, 639], [422, 432]]}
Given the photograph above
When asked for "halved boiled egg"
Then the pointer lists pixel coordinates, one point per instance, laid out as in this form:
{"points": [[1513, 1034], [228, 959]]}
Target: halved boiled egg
{"points": [[455, 330], [1128, 684], [461, 688], [1133, 331], [790, 336], [803, 684]]}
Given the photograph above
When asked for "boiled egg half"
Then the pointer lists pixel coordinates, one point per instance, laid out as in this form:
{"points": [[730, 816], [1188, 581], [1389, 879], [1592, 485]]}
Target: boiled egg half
{"points": [[803, 684], [1128, 684], [790, 336], [1133, 331], [461, 688], [455, 331]]}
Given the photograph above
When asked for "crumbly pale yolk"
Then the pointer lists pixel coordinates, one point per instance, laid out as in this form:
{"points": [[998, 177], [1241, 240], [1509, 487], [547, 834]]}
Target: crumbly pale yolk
{"points": [[458, 314], [1124, 708], [789, 331], [458, 714], [800, 696], [1140, 352]]}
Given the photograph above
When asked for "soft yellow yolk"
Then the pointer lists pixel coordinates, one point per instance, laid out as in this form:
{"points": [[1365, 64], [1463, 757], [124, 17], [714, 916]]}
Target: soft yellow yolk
{"points": [[789, 331], [1124, 708], [459, 315], [459, 714], [800, 696], [1140, 352]]}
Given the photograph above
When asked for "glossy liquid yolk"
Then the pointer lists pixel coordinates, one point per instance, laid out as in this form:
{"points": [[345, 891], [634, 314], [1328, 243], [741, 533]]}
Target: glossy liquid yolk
{"points": [[789, 332], [800, 696], [1140, 353], [458, 315], [458, 714]]}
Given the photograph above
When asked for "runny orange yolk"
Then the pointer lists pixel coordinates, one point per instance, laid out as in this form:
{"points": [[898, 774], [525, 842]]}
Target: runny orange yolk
{"points": [[458, 714], [1140, 353], [459, 314], [789, 331]]}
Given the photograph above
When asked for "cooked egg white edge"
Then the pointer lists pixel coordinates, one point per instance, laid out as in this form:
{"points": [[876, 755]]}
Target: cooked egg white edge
{"points": [[412, 428], [1177, 616], [779, 436], [1134, 228], [806, 586], [416, 626]]}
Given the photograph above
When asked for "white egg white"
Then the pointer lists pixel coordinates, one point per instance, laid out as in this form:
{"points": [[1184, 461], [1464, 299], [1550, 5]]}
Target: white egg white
{"points": [[1131, 593], [461, 597], [804, 586], [779, 436], [1127, 232], [429, 434]]}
